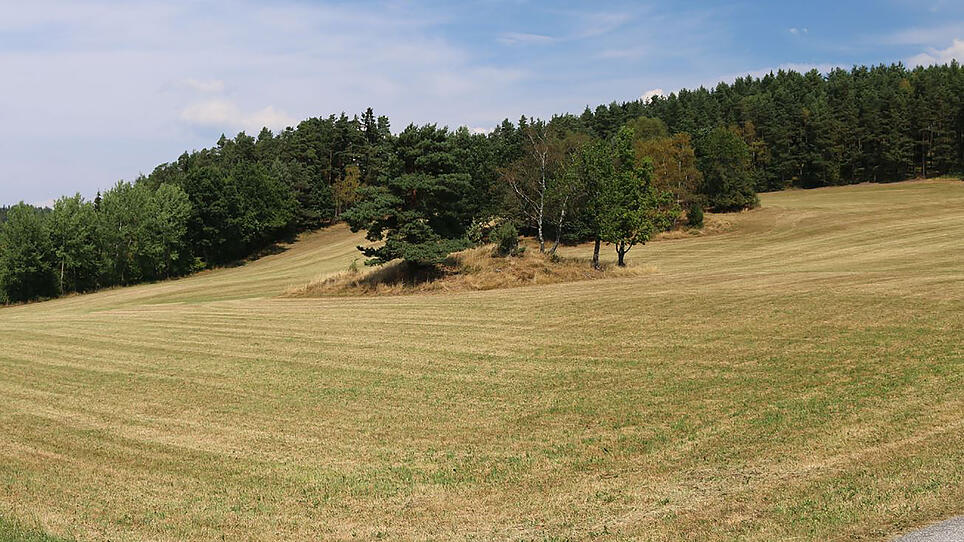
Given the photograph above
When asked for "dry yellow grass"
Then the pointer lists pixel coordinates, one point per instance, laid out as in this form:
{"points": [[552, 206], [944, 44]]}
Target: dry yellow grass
{"points": [[469, 270], [799, 376]]}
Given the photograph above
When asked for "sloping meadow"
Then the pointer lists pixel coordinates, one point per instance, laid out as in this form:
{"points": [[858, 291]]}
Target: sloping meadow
{"points": [[799, 376]]}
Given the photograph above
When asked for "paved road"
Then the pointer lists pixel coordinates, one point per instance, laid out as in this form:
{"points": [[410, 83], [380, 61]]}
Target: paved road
{"points": [[951, 530]]}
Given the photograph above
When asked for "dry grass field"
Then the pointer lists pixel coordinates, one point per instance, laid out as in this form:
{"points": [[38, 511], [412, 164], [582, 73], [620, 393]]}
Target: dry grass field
{"points": [[798, 377]]}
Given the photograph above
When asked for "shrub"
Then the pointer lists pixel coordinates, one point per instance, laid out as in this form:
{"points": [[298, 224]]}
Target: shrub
{"points": [[506, 239], [694, 215], [475, 233]]}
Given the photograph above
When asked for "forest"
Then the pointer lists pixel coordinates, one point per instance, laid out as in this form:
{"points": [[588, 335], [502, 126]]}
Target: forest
{"points": [[615, 174]]}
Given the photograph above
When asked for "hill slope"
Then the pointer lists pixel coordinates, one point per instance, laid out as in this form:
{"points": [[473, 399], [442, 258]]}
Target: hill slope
{"points": [[799, 376]]}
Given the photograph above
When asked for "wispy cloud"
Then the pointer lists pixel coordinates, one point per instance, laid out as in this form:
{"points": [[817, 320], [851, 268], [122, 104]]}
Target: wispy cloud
{"points": [[192, 71], [515, 38], [132, 84], [581, 25], [596, 24]]}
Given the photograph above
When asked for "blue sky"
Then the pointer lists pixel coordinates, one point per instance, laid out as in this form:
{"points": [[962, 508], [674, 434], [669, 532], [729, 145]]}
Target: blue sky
{"points": [[96, 91]]}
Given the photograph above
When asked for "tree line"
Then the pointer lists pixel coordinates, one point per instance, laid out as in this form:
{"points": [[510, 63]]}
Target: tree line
{"points": [[129, 234], [613, 175], [867, 124]]}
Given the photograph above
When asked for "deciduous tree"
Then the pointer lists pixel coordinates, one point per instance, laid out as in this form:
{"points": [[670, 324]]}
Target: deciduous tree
{"points": [[26, 256], [674, 165], [724, 161], [631, 209], [346, 188], [73, 234]]}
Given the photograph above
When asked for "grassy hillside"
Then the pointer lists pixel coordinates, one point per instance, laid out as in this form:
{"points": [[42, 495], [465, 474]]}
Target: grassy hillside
{"points": [[799, 376]]}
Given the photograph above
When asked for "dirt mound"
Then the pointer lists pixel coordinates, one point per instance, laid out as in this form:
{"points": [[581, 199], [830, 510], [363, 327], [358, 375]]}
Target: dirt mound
{"points": [[473, 269]]}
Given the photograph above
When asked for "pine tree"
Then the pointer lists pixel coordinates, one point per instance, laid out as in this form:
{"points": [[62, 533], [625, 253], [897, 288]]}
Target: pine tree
{"points": [[420, 211]]}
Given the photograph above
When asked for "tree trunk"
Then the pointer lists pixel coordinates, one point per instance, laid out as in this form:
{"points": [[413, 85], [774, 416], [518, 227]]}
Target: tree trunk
{"points": [[542, 239], [555, 245], [542, 207], [595, 254]]}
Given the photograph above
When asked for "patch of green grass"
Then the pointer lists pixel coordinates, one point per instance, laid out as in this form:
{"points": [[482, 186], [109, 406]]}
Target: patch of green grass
{"points": [[13, 531]]}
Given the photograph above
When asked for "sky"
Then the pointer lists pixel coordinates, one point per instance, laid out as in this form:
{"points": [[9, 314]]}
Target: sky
{"points": [[92, 92]]}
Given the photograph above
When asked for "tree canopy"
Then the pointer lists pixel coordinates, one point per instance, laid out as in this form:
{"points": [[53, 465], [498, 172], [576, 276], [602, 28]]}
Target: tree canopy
{"points": [[26, 264], [421, 211], [558, 179]]}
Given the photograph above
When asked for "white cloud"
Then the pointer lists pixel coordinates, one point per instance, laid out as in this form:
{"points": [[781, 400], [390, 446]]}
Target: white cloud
{"points": [[224, 114], [650, 94], [212, 113], [205, 85], [194, 69], [939, 56], [516, 38], [270, 117], [798, 31]]}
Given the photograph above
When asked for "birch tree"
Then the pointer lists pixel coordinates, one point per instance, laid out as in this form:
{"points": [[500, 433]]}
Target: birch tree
{"points": [[543, 182], [528, 177]]}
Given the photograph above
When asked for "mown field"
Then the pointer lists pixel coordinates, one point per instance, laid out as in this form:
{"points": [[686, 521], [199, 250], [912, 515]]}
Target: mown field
{"points": [[798, 377]]}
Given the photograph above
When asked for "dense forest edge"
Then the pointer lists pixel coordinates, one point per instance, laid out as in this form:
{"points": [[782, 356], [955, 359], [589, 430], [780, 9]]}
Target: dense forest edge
{"points": [[615, 175]]}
